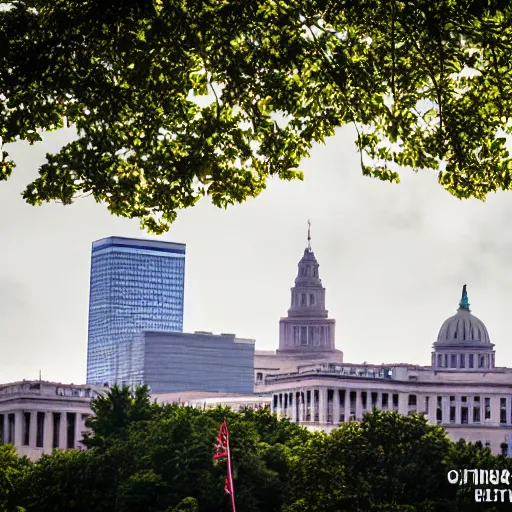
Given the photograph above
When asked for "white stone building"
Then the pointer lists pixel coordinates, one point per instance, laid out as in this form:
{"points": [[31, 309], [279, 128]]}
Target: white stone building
{"points": [[205, 401], [38, 417], [462, 390]]}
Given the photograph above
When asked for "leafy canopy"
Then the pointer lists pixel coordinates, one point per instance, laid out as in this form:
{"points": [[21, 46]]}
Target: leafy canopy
{"points": [[177, 99], [150, 457]]}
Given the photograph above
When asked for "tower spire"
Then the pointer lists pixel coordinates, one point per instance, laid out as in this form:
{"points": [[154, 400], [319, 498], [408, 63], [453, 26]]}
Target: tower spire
{"points": [[464, 301], [309, 234]]}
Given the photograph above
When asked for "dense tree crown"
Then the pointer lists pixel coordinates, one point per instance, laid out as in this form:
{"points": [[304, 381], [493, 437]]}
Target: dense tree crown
{"points": [[177, 99], [146, 457]]}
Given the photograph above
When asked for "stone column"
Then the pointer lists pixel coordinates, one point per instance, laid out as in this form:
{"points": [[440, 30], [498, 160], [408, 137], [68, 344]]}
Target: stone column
{"points": [[322, 406], [63, 431], [403, 403], [18, 428], [432, 409], [495, 410], [359, 406], [33, 429], [378, 405], [470, 409], [79, 428], [5, 427], [347, 405], [295, 404], [336, 407], [458, 405], [48, 432], [446, 409]]}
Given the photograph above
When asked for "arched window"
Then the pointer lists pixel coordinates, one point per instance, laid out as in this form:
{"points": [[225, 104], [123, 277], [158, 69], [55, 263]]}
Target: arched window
{"points": [[303, 300], [311, 299]]}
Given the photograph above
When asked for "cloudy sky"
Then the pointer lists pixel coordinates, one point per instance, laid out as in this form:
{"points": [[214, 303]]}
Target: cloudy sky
{"points": [[393, 259]]}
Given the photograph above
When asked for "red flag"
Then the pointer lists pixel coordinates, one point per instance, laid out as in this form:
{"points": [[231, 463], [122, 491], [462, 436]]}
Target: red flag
{"points": [[222, 452], [221, 448]]}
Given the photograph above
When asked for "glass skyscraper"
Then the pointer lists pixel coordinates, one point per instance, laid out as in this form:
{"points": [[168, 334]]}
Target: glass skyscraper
{"points": [[135, 285]]}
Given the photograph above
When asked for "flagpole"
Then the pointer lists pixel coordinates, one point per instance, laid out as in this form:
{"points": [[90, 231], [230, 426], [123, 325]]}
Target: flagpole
{"points": [[230, 475]]}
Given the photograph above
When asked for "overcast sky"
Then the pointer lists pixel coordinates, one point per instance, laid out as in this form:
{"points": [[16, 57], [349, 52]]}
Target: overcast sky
{"points": [[393, 259]]}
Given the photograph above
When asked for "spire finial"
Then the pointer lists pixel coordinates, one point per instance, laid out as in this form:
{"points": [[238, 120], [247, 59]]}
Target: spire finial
{"points": [[464, 302], [309, 234]]}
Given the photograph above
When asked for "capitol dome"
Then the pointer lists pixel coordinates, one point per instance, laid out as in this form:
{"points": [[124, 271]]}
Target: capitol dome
{"points": [[463, 328], [463, 341]]}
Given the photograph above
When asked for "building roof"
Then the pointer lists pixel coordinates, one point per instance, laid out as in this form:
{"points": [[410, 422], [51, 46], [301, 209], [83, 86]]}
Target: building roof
{"points": [[191, 395], [463, 327]]}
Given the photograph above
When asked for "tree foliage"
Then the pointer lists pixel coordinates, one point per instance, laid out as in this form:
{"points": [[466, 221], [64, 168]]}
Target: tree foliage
{"points": [[11, 469], [177, 99], [161, 461]]}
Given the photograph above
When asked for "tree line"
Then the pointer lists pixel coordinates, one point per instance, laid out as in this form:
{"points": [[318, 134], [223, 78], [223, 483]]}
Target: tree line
{"points": [[148, 457]]}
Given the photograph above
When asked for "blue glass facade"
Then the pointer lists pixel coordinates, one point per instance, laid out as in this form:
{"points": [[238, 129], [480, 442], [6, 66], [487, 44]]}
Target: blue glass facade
{"points": [[135, 285]]}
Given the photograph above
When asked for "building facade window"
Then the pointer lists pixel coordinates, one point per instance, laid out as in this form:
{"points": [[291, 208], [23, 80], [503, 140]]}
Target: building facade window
{"points": [[56, 429], [503, 411], [311, 335], [464, 416], [487, 408], [11, 423], [476, 409], [26, 428], [303, 335], [40, 429]]}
